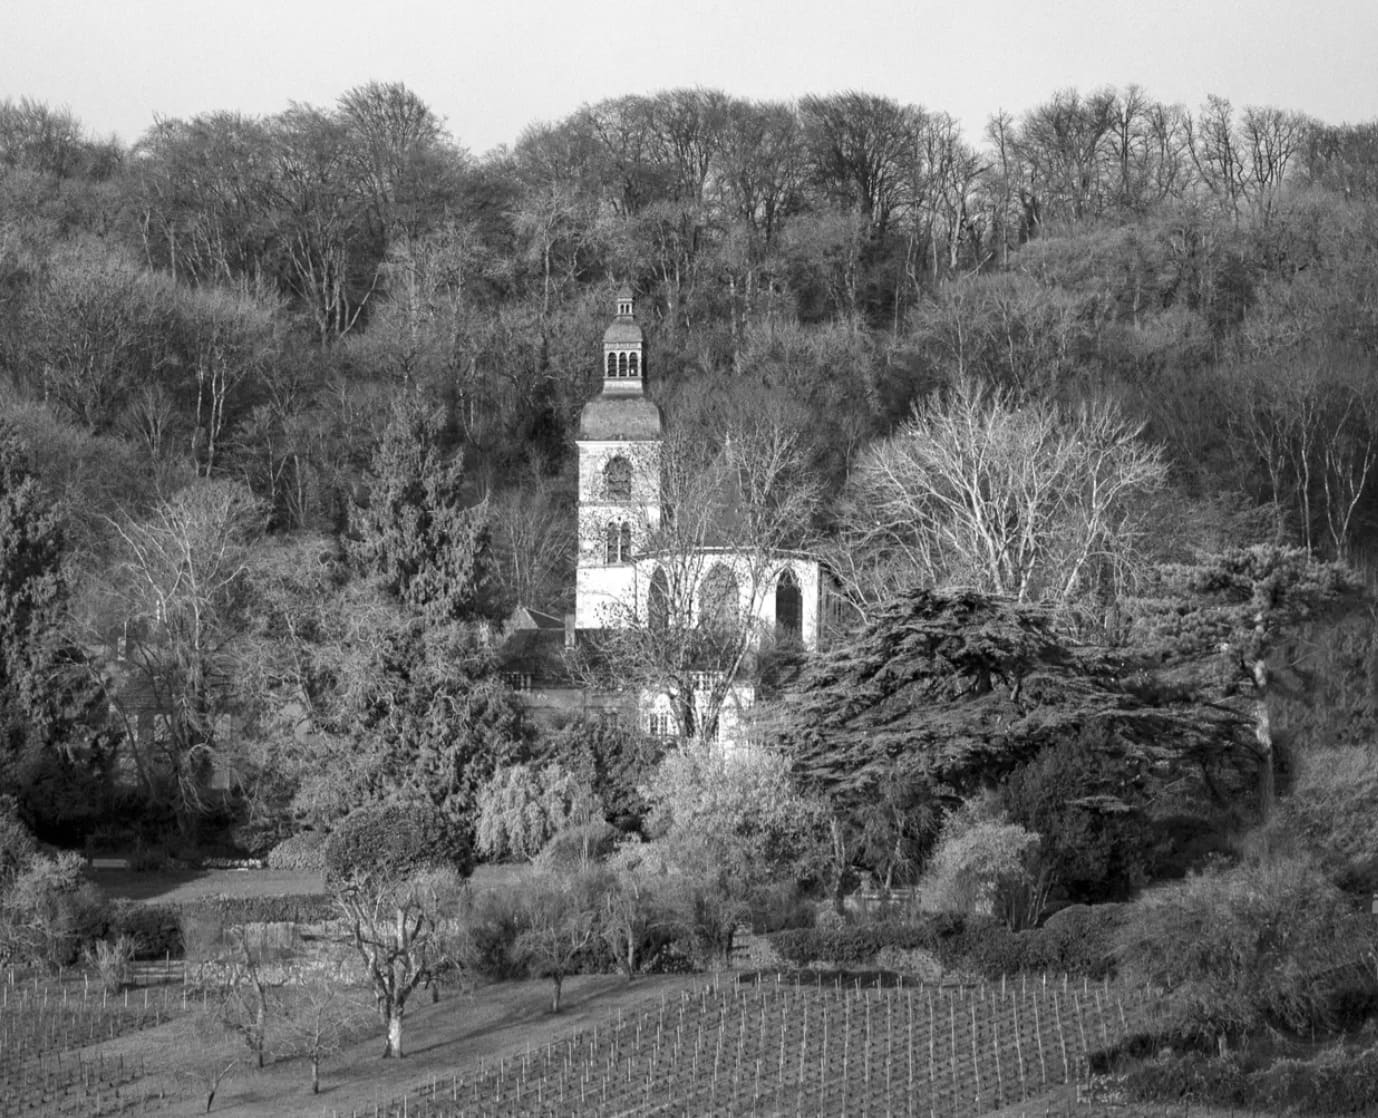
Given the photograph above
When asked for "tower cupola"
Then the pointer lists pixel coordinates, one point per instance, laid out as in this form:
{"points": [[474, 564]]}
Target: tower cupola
{"points": [[622, 410], [624, 367]]}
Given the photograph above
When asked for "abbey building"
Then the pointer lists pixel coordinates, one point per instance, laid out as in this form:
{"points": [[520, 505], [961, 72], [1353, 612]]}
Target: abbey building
{"points": [[674, 602]]}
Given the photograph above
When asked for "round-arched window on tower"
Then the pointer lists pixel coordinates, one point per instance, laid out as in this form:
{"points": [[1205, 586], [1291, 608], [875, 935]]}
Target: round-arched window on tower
{"points": [[632, 362], [612, 365], [617, 479], [789, 607], [622, 364], [617, 542]]}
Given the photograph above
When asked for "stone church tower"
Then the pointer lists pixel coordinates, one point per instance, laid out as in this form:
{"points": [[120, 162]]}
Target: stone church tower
{"points": [[619, 478]]}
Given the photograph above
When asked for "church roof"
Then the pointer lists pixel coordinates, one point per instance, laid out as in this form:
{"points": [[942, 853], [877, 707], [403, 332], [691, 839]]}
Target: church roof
{"points": [[634, 418], [622, 331]]}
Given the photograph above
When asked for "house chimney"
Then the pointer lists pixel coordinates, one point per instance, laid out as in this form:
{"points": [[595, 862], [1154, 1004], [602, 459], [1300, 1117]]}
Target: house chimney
{"points": [[570, 639]]}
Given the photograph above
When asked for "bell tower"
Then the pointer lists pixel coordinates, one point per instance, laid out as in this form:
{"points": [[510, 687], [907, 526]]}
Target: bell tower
{"points": [[619, 478]]}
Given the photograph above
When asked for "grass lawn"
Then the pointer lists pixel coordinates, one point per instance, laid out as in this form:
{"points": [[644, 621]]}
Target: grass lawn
{"points": [[188, 885]]}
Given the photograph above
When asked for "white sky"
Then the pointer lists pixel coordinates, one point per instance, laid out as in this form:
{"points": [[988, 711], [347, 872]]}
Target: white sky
{"points": [[491, 67]]}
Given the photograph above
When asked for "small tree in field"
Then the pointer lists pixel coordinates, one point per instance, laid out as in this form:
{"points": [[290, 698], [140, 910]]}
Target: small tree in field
{"points": [[317, 1015], [394, 869], [560, 918], [637, 917]]}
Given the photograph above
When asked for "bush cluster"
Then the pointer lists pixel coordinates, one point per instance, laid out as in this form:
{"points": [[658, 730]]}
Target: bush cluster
{"points": [[1334, 1082], [304, 852], [393, 840], [1078, 940], [1269, 945], [155, 930], [49, 912], [578, 846]]}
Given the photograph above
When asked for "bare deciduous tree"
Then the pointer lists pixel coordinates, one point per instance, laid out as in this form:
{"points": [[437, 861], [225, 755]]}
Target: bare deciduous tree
{"points": [[1023, 500]]}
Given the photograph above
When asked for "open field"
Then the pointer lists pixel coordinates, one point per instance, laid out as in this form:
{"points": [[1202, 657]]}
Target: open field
{"points": [[682, 1045], [728, 1044]]}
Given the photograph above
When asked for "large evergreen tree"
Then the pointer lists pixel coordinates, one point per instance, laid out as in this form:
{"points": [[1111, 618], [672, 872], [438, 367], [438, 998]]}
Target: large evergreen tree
{"points": [[48, 702], [417, 533], [956, 690]]}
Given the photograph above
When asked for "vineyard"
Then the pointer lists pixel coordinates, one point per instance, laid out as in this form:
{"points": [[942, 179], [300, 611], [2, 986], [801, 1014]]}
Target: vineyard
{"points": [[781, 1048], [772, 1046], [45, 1026]]}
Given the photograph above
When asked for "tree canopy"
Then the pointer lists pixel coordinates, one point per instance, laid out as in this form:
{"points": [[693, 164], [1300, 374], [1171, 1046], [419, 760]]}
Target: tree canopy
{"points": [[955, 690]]}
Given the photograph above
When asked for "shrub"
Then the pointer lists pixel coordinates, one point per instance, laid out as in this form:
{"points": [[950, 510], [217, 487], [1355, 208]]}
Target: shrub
{"points": [[1079, 939], [780, 906], [1094, 845], [17, 845], [304, 852], [154, 930], [391, 841], [1078, 943], [113, 959], [1331, 810], [50, 912], [1253, 946], [1191, 1075], [1335, 1081], [578, 846], [983, 866], [492, 921], [614, 761], [285, 908], [638, 924], [522, 808]]}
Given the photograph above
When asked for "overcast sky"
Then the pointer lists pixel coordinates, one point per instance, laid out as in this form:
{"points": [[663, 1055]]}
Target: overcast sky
{"points": [[493, 67]]}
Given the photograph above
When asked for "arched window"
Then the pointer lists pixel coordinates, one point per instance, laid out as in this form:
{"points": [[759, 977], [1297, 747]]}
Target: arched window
{"points": [[622, 364], [789, 606], [612, 364], [632, 363], [718, 598], [618, 538], [617, 479], [658, 602]]}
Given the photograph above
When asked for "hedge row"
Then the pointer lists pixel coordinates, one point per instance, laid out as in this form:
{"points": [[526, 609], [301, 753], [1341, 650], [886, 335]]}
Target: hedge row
{"points": [[158, 929], [1334, 1082], [1078, 940]]}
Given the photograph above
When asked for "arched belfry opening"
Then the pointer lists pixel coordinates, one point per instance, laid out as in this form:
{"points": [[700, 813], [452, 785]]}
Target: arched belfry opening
{"points": [[624, 362]]}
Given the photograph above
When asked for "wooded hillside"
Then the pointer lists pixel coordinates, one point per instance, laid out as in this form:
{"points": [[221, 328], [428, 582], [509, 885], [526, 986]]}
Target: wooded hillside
{"points": [[287, 403]]}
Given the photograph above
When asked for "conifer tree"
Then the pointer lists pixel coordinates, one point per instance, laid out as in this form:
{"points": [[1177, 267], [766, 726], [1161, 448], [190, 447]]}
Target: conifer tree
{"points": [[415, 532]]}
